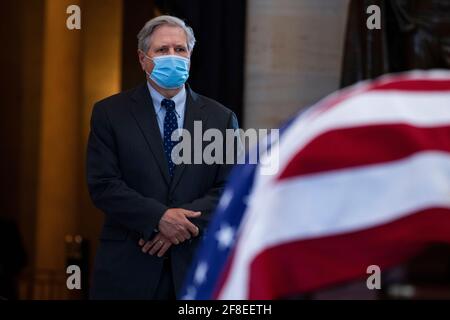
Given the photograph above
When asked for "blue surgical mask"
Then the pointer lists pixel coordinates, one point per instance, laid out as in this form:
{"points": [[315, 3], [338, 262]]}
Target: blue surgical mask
{"points": [[170, 71]]}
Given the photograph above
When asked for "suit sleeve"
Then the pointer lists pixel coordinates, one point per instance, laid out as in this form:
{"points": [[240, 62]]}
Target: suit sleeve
{"points": [[108, 190], [208, 203]]}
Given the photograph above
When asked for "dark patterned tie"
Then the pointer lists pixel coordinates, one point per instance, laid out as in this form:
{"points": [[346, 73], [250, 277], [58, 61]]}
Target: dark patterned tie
{"points": [[170, 124]]}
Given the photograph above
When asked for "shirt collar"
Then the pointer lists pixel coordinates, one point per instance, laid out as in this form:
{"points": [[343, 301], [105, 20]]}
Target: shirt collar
{"points": [[179, 99]]}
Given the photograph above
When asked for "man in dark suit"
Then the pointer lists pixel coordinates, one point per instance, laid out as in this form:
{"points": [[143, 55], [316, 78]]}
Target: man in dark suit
{"points": [[155, 210]]}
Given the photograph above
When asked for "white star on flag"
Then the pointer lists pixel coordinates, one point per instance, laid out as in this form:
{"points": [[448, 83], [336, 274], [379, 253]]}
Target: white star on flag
{"points": [[191, 293], [225, 236], [225, 199], [200, 272]]}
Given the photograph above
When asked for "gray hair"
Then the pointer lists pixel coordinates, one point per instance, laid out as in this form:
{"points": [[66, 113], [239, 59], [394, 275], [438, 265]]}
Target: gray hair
{"points": [[146, 32]]}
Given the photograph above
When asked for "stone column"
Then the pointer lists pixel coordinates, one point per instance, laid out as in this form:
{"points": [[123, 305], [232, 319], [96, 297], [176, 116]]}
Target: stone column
{"points": [[293, 56]]}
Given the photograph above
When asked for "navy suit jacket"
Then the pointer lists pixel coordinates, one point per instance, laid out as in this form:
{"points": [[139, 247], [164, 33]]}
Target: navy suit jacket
{"points": [[128, 179]]}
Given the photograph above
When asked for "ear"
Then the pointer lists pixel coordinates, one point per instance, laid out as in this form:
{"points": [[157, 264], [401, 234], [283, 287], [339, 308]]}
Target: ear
{"points": [[142, 59]]}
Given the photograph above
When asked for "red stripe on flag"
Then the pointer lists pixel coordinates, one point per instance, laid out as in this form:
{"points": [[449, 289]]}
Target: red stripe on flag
{"points": [[415, 85], [308, 265], [358, 146]]}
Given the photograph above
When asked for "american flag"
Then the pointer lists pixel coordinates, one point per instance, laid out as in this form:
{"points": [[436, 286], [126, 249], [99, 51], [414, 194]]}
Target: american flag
{"points": [[363, 179]]}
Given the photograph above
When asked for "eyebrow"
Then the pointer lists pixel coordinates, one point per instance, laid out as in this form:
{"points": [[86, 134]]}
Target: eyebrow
{"points": [[167, 45]]}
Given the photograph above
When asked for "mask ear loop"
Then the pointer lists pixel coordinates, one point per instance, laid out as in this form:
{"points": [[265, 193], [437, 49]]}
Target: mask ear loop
{"points": [[145, 55]]}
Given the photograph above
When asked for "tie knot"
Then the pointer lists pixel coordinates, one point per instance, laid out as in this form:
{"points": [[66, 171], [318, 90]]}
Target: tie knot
{"points": [[168, 104]]}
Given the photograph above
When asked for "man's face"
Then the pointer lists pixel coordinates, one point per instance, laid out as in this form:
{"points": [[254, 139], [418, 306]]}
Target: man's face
{"points": [[165, 40]]}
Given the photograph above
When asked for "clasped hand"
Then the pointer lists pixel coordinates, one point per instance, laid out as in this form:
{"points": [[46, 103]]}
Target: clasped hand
{"points": [[174, 228]]}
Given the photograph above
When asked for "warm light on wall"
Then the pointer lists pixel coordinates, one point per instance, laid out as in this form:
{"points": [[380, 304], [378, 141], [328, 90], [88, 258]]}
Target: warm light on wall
{"points": [[79, 68]]}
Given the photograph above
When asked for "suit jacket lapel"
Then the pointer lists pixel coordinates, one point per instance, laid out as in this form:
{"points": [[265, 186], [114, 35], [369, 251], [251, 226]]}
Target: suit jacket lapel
{"points": [[144, 113], [193, 112]]}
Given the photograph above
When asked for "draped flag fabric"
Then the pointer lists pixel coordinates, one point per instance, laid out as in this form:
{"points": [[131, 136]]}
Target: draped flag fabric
{"points": [[363, 179]]}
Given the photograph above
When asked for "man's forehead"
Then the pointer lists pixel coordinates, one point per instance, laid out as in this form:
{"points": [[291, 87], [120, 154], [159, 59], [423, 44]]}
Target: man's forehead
{"points": [[169, 34]]}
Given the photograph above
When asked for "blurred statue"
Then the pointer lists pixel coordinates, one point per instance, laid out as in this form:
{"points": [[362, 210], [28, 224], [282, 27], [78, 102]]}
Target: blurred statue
{"points": [[414, 34], [426, 25]]}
